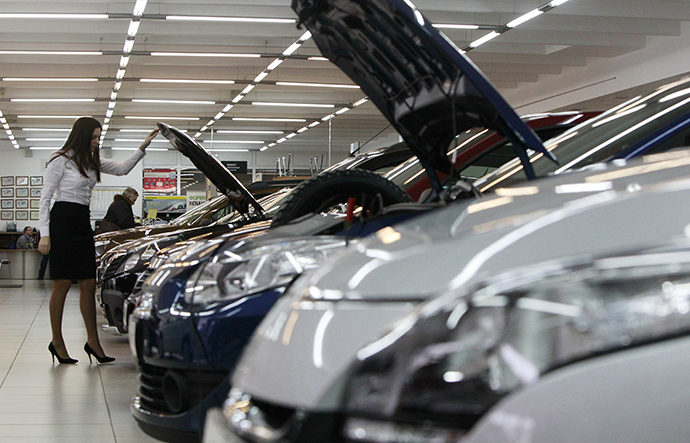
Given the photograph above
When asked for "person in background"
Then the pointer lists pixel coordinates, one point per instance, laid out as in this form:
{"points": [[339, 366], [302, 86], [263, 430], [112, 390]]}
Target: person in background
{"points": [[71, 174], [26, 241], [120, 215]]}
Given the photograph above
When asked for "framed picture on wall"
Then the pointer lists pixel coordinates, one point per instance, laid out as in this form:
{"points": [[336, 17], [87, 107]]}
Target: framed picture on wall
{"points": [[22, 192], [22, 181], [33, 215], [34, 203], [35, 192], [6, 204], [7, 181], [21, 215], [22, 204], [7, 215], [7, 192], [37, 180]]}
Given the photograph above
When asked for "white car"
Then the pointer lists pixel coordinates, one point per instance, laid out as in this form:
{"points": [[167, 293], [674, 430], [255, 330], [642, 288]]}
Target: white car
{"points": [[302, 370]]}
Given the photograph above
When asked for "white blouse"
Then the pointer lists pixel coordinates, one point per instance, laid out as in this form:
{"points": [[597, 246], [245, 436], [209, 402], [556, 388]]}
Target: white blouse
{"points": [[62, 178]]}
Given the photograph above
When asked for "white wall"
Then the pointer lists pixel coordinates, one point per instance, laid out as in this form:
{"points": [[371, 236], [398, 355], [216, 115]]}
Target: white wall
{"points": [[663, 57]]}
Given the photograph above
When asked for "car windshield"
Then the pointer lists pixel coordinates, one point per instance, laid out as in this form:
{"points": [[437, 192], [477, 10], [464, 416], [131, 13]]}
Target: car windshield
{"points": [[607, 136], [269, 203], [192, 215]]}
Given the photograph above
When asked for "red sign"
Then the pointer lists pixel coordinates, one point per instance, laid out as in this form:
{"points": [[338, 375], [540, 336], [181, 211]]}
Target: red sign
{"points": [[160, 180]]}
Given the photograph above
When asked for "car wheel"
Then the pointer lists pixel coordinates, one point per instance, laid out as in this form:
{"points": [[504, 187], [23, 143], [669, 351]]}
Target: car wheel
{"points": [[330, 190]]}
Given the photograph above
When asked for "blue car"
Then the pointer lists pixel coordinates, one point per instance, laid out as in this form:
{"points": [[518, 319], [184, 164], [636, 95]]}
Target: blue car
{"points": [[196, 310]]}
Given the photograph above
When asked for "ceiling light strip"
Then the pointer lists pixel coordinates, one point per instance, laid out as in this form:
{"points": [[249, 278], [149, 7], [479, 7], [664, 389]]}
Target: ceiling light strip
{"points": [[8, 131], [258, 79], [132, 30], [514, 23]]}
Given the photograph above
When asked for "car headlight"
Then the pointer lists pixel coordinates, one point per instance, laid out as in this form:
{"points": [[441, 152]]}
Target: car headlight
{"points": [[143, 306], [130, 263], [453, 358], [100, 247], [230, 274]]}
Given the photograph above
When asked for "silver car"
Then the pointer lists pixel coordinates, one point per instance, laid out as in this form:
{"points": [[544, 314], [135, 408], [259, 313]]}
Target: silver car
{"points": [[309, 366]]}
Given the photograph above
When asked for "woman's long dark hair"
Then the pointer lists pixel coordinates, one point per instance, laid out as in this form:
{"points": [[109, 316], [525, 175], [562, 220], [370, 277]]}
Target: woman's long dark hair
{"points": [[78, 147]]}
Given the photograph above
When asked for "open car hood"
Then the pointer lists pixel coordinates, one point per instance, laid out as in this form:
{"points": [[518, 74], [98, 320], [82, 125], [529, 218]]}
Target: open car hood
{"points": [[421, 82], [220, 176]]}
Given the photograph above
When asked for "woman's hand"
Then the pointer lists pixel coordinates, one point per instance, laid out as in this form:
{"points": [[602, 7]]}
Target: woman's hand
{"points": [[147, 140], [44, 245]]}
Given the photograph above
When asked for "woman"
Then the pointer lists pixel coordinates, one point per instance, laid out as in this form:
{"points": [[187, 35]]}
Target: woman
{"points": [[71, 174], [119, 215]]}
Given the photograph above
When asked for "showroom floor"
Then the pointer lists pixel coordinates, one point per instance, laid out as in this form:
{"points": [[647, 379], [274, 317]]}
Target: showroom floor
{"points": [[42, 402]]}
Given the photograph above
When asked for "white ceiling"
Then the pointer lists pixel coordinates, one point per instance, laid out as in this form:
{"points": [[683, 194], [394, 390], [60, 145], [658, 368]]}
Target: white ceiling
{"points": [[570, 35]]}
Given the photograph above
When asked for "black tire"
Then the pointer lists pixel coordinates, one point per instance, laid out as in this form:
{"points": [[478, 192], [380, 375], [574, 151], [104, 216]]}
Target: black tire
{"points": [[326, 190]]}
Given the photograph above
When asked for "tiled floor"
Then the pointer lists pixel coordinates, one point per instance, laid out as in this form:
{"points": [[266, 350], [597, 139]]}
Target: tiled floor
{"points": [[42, 402]]}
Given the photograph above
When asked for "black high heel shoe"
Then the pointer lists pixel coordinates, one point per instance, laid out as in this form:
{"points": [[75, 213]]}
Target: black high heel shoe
{"points": [[90, 352], [53, 352]]}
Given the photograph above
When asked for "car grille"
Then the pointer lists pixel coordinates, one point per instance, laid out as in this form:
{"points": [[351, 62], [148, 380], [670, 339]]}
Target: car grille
{"points": [[141, 279], [197, 386], [113, 266]]}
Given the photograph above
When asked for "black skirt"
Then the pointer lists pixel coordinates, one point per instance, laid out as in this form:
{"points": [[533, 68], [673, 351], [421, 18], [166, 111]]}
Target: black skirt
{"points": [[72, 251]]}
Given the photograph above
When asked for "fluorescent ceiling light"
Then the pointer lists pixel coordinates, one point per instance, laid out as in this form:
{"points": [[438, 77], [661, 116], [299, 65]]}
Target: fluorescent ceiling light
{"points": [[254, 119], [523, 18], [52, 100], [166, 80], [185, 102], [453, 26], [134, 149], [274, 64], [292, 48], [225, 131], [360, 102], [203, 54], [230, 19], [133, 28], [247, 89], [45, 139], [54, 16], [293, 105], [261, 76], [263, 149], [229, 150], [129, 45], [160, 118], [134, 140], [143, 130], [555, 3], [51, 52], [46, 130], [317, 59], [491, 35], [29, 79], [72, 117], [317, 85], [40, 148], [139, 8], [252, 142]]}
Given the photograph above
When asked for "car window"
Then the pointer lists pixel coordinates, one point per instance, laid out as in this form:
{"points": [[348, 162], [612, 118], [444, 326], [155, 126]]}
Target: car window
{"points": [[607, 136]]}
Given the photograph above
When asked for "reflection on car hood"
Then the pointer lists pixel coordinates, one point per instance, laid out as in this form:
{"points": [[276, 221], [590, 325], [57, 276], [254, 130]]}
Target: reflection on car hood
{"points": [[418, 79], [432, 254], [212, 168]]}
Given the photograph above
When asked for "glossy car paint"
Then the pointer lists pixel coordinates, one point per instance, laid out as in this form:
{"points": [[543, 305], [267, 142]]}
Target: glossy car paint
{"points": [[561, 217]]}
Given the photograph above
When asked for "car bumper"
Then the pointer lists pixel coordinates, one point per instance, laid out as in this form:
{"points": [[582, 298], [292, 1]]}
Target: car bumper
{"points": [[184, 427]]}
